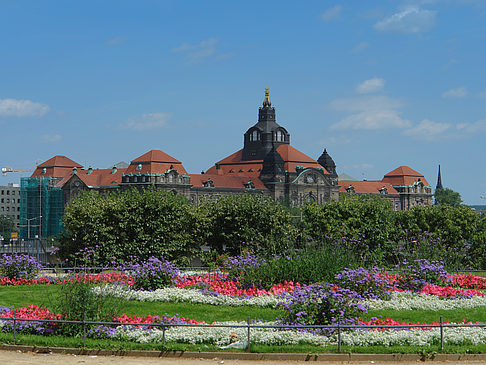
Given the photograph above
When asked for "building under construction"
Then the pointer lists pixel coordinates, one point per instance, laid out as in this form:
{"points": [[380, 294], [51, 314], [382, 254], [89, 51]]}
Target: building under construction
{"points": [[41, 201]]}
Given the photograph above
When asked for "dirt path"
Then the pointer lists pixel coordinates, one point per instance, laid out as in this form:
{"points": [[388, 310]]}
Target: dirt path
{"points": [[18, 358]]}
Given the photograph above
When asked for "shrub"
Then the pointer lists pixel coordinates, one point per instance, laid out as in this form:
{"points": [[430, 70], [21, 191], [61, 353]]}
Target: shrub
{"points": [[153, 274], [126, 223], [369, 284], [247, 222], [416, 274], [321, 304], [19, 266], [304, 267]]}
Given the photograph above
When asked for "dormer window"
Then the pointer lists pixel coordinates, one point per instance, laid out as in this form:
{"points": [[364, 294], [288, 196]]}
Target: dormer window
{"points": [[383, 191], [250, 185], [208, 183], [350, 189], [279, 136], [139, 167]]}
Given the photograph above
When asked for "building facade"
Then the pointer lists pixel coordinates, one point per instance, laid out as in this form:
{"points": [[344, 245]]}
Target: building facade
{"points": [[10, 203], [267, 165]]}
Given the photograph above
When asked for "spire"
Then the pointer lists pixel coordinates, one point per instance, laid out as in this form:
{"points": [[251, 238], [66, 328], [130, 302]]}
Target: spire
{"points": [[439, 181], [266, 101]]}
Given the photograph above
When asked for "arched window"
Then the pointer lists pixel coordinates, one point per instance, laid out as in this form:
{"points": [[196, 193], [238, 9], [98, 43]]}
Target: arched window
{"points": [[254, 136]]}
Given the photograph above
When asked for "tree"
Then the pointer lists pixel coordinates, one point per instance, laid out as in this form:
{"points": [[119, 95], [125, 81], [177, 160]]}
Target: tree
{"points": [[363, 223], [447, 197], [130, 223], [235, 223], [6, 226]]}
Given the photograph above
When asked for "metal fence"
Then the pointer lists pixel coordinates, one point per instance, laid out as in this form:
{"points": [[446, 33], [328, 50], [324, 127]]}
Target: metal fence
{"points": [[33, 247], [249, 326]]}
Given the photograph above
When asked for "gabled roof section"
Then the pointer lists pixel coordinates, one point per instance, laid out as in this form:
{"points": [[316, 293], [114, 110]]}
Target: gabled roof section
{"points": [[366, 187], [156, 156], [404, 175], [57, 166], [96, 178], [59, 161], [155, 162]]}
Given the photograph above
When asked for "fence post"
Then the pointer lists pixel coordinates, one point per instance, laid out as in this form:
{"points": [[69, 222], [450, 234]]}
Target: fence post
{"points": [[163, 336], [441, 335], [339, 335], [248, 336], [14, 327], [84, 328]]}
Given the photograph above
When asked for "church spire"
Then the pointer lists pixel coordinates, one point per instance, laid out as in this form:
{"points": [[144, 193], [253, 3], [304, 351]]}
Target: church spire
{"points": [[439, 181], [266, 101]]}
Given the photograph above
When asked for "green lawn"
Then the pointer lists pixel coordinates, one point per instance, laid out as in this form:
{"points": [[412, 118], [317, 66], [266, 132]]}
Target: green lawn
{"points": [[44, 295]]}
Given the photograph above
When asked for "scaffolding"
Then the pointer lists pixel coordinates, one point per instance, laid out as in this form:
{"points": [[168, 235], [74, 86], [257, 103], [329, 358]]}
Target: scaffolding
{"points": [[41, 207]]}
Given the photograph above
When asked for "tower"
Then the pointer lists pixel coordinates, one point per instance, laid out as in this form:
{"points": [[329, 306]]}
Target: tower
{"points": [[439, 181], [259, 139]]}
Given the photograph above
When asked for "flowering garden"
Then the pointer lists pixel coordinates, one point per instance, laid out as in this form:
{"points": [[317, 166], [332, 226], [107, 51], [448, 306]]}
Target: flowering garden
{"points": [[211, 310]]}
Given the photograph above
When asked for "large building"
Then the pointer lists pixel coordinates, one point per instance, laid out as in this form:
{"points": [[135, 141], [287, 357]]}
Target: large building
{"points": [[267, 165], [10, 203]]}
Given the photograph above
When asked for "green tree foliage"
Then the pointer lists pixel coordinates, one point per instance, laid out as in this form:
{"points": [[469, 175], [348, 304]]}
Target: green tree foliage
{"points": [[235, 223], [363, 222], [447, 197], [129, 223], [460, 229], [6, 226]]}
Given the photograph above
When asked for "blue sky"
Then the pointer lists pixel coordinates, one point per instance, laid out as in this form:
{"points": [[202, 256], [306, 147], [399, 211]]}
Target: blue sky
{"points": [[378, 83]]}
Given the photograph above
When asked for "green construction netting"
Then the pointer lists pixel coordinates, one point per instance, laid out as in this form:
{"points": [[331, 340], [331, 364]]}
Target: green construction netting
{"points": [[41, 207]]}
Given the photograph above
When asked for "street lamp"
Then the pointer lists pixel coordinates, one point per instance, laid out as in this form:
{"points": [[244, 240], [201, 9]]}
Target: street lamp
{"points": [[28, 225]]}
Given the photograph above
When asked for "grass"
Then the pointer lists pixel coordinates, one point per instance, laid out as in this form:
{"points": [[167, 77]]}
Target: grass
{"points": [[44, 295], [457, 315]]}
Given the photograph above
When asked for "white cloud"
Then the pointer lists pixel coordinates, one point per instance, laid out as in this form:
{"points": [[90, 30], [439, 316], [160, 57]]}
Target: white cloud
{"points": [[408, 21], [428, 130], [196, 53], [370, 86], [360, 47], [51, 138], [459, 93], [479, 126], [338, 140], [332, 13], [147, 121], [369, 113], [22, 108]]}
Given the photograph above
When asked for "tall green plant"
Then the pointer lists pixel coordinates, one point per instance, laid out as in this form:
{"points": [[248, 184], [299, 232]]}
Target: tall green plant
{"points": [[251, 222], [130, 223]]}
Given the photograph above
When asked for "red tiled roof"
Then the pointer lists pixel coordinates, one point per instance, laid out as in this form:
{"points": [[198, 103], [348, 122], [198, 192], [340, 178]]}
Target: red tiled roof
{"points": [[57, 166], [366, 187], [156, 156], [234, 163], [404, 175], [226, 181], [97, 177], [155, 161]]}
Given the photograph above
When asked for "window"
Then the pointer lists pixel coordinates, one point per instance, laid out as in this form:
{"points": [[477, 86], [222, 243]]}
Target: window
{"points": [[3, 192], [279, 137], [8, 192], [254, 136]]}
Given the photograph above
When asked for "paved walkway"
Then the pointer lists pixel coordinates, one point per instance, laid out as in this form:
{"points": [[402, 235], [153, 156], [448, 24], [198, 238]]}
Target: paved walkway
{"points": [[22, 358]]}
